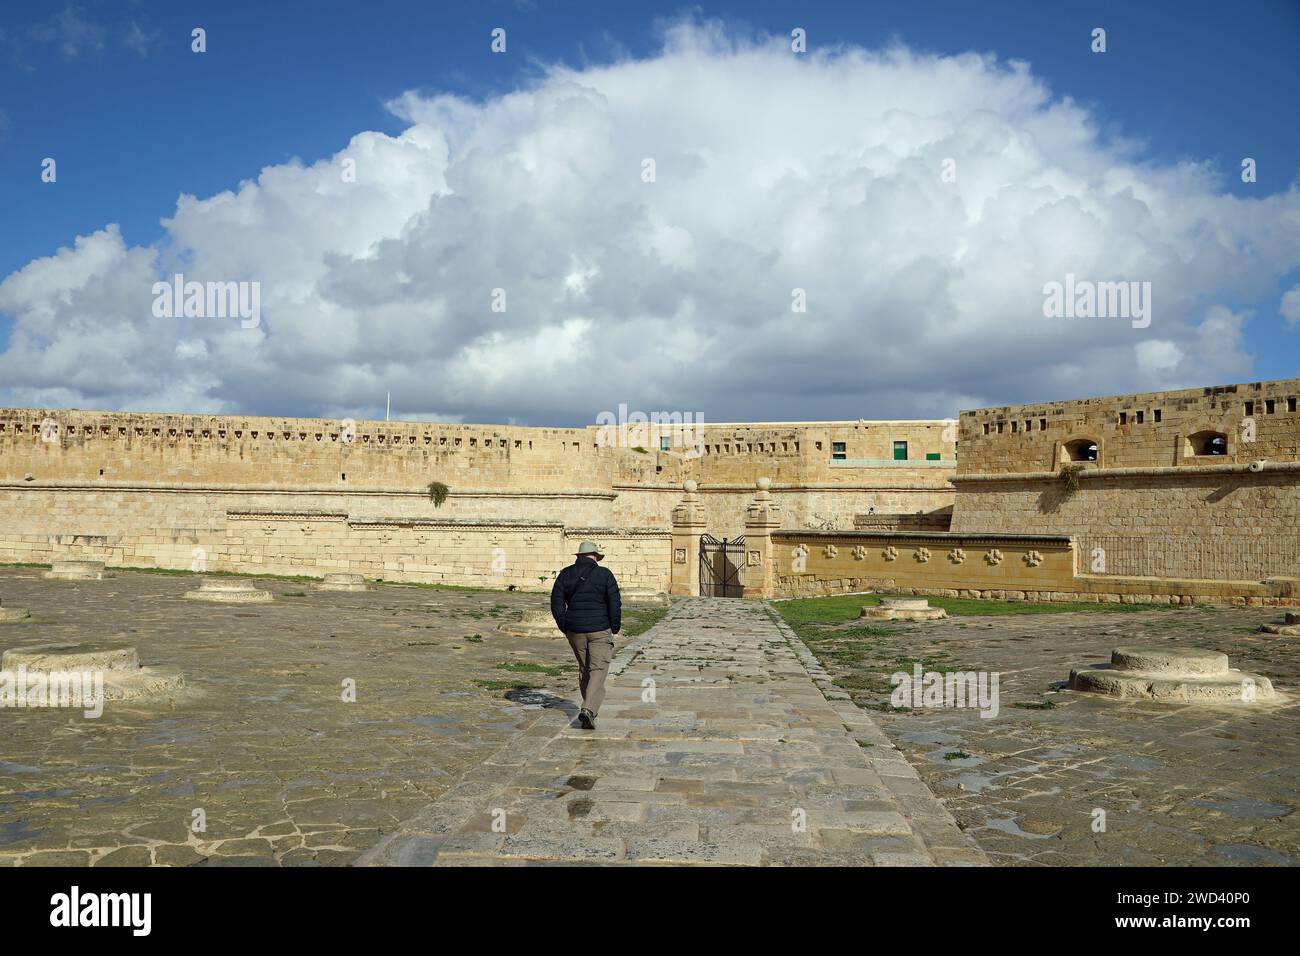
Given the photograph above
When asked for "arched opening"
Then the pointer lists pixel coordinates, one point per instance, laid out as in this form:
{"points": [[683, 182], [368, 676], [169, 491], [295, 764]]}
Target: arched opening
{"points": [[1208, 443], [1081, 449]]}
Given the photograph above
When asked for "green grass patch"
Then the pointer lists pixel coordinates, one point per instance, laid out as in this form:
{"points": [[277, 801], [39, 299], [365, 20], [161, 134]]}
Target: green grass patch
{"points": [[1040, 705], [504, 685], [475, 639], [956, 755], [636, 623], [519, 667]]}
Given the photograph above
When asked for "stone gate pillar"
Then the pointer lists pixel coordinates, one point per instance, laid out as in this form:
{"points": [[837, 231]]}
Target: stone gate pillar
{"points": [[762, 517], [689, 523]]}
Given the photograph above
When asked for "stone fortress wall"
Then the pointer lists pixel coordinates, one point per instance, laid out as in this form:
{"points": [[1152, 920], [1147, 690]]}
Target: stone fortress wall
{"points": [[1200, 483], [1190, 495], [308, 496]]}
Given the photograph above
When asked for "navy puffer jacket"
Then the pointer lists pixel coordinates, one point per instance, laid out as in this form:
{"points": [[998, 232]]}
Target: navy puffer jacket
{"points": [[592, 605]]}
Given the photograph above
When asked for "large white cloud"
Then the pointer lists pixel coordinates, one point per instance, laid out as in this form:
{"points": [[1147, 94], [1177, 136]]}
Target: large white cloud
{"points": [[822, 172]]}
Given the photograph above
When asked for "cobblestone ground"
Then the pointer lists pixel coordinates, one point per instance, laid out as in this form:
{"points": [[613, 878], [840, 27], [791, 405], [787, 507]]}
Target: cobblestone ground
{"points": [[737, 759], [261, 741], [1180, 785]]}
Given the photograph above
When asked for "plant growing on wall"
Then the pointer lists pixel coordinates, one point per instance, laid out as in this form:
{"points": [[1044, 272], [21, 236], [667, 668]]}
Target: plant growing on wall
{"points": [[438, 493], [1070, 475]]}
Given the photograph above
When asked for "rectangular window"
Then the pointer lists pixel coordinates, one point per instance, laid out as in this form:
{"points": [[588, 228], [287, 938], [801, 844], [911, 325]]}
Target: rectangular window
{"points": [[1269, 406], [1139, 417], [1042, 424], [1250, 409], [986, 428], [838, 446], [1290, 404], [931, 456], [1157, 414], [1123, 418], [665, 442], [900, 451], [839, 456]]}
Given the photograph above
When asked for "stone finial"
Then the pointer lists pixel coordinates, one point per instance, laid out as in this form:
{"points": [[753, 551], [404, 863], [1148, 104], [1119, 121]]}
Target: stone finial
{"points": [[690, 486], [764, 484]]}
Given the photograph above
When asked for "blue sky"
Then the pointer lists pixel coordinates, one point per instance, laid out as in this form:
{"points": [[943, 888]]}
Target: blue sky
{"points": [[135, 119]]}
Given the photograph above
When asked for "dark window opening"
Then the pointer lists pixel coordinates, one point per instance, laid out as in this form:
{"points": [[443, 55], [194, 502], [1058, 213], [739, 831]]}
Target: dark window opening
{"points": [[1081, 449], [1209, 443]]}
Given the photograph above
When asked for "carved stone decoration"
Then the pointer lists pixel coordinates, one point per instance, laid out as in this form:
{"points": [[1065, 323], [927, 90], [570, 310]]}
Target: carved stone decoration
{"points": [[830, 551], [922, 555], [679, 555], [956, 555], [994, 557], [755, 558], [1033, 559], [860, 553], [891, 553]]}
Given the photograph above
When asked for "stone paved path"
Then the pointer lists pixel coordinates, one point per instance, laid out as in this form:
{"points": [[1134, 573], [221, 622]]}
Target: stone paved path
{"points": [[738, 759]]}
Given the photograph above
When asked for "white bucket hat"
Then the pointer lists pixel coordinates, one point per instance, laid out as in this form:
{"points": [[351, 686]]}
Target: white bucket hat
{"points": [[589, 547]]}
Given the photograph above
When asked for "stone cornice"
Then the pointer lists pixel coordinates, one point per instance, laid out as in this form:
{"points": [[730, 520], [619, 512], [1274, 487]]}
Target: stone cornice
{"points": [[1231, 468], [173, 487], [946, 536]]}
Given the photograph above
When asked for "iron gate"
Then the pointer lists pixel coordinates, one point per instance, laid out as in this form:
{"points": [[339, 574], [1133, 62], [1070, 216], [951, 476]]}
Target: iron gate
{"points": [[722, 566]]}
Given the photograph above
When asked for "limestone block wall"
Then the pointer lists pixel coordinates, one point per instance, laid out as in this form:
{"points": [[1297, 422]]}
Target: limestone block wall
{"points": [[1259, 421], [1226, 522], [816, 506], [583, 475], [272, 534], [1040, 568], [1012, 567]]}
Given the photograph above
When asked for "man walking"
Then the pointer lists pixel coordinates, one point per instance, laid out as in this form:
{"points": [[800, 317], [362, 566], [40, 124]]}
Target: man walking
{"points": [[586, 606]]}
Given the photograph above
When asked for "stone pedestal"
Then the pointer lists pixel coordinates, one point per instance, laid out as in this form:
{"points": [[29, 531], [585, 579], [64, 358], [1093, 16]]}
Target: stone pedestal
{"points": [[1290, 626], [117, 665], [10, 614], [75, 570], [903, 609], [228, 591], [343, 582], [762, 517], [689, 522], [644, 597], [533, 624], [1172, 674]]}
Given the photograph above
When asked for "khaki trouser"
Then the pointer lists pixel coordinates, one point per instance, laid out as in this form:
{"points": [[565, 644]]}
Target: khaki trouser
{"points": [[594, 651]]}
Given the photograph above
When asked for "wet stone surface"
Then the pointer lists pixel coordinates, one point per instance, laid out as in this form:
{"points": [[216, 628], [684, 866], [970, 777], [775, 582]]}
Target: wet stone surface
{"points": [[284, 771], [1180, 784]]}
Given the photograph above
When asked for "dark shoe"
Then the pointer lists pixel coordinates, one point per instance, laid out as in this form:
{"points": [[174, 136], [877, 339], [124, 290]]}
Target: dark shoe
{"points": [[585, 720]]}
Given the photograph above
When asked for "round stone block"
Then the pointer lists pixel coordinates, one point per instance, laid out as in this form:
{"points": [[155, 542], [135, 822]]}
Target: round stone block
{"points": [[8, 615], [75, 570], [1175, 674], [1169, 660], [903, 609], [533, 624], [343, 582], [116, 665], [71, 657], [1231, 686], [228, 591], [644, 597]]}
